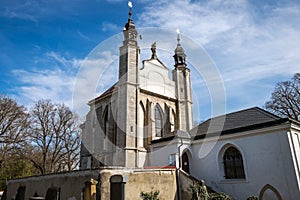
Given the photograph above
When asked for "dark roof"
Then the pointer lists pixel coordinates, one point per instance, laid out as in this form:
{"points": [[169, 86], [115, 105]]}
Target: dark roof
{"points": [[173, 135], [108, 92], [242, 120]]}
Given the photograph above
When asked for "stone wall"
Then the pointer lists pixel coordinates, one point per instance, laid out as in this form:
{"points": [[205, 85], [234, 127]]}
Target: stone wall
{"points": [[162, 180], [70, 185], [73, 185]]}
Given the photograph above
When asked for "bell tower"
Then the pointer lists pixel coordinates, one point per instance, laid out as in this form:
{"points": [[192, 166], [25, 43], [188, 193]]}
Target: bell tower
{"points": [[127, 96], [181, 76]]}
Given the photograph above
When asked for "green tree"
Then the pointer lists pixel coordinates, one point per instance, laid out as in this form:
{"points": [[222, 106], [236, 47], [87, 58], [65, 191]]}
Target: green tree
{"points": [[14, 123], [285, 99], [16, 166]]}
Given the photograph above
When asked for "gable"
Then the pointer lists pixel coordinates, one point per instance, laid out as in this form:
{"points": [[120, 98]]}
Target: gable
{"points": [[154, 77]]}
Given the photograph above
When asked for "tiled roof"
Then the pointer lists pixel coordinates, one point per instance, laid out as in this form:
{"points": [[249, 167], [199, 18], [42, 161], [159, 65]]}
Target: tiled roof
{"points": [[242, 120]]}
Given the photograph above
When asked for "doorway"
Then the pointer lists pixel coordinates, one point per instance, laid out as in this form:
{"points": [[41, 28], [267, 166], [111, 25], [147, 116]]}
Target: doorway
{"points": [[185, 162]]}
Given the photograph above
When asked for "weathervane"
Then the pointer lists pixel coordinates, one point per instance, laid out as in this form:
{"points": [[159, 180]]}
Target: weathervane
{"points": [[130, 9]]}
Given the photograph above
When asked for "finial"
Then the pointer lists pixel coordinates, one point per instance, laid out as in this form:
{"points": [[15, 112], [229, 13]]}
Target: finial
{"points": [[130, 9], [178, 35], [153, 49]]}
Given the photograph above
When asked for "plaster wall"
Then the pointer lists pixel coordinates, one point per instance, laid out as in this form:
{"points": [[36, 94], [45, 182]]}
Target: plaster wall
{"points": [[154, 77], [137, 181], [267, 160], [72, 184], [160, 152]]}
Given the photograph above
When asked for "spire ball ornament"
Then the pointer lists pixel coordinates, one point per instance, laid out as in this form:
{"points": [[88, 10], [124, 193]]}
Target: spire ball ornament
{"points": [[130, 4]]}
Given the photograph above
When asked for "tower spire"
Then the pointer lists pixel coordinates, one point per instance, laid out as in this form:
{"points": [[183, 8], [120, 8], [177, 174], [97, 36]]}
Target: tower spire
{"points": [[178, 36], [129, 31], [179, 56]]}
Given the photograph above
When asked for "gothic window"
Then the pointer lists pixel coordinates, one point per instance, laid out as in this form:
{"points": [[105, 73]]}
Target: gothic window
{"points": [[141, 125], [106, 120], [158, 121], [106, 117], [233, 164], [98, 114], [167, 125], [172, 120]]}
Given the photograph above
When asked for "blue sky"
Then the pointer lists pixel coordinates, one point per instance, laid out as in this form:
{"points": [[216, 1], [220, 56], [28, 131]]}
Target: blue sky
{"points": [[254, 44]]}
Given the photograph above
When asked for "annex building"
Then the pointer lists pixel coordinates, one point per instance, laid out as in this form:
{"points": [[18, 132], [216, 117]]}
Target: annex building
{"points": [[139, 133]]}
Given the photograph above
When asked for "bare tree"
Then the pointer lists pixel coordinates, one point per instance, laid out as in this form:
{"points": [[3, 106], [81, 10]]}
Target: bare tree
{"points": [[13, 126], [285, 100], [54, 136]]}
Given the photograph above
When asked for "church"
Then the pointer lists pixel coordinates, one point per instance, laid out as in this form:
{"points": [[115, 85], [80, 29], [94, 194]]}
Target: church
{"points": [[146, 120], [139, 135]]}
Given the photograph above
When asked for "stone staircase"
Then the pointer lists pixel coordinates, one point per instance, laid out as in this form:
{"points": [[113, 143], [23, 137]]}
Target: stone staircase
{"points": [[184, 182]]}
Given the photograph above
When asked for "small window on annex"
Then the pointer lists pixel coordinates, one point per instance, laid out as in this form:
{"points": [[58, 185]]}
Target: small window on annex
{"points": [[233, 164], [172, 160]]}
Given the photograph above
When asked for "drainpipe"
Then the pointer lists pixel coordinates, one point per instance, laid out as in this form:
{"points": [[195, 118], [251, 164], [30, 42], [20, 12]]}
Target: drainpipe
{"points": [[178, 171]]}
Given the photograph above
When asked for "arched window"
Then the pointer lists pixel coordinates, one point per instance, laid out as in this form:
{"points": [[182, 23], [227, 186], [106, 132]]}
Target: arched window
{"points": [[158, 121], [141, 125], [106, 120], [172, 120], [233, 164], [106, 126]]}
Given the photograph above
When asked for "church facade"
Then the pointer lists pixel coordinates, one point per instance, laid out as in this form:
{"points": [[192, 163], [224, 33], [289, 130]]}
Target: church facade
{"points": [[146, 120], [144, 105]]}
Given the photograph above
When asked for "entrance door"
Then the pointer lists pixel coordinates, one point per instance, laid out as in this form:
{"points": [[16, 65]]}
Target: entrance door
{"points": [[185, 163]]}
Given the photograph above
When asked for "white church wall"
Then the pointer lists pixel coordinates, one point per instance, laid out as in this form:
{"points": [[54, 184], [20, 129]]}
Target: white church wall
{"points": [[294, 140], [267, 159], [154, 77], [162, 153]]}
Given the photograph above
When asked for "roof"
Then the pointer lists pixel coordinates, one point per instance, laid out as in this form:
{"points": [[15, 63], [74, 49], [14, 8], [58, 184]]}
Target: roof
{"points": [[242, 120], [108, 92], [173, 135]]}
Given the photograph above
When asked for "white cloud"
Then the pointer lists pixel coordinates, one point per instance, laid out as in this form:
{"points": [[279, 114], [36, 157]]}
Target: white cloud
{"points": [[10, 13], [83, 36], [44, 84], [107, 26], [247, 45], [53, 80]]}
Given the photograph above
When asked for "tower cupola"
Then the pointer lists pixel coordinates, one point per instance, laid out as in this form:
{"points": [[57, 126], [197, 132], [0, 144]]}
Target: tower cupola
{"points": [[179, 56], [129, 31]]}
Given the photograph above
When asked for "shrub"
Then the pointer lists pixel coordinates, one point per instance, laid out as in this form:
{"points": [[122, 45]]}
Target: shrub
{"points": [[219, 196], [199, 191], [150, 195], [252, 198]]}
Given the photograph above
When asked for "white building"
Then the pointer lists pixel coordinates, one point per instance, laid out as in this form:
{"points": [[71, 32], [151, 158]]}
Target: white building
{"points": [[146, 119]]}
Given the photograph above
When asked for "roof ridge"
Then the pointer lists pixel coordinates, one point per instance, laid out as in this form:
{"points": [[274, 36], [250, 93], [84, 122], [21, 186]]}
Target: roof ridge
{"points": [[261, 110], [107, 91], [234, 112]]}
